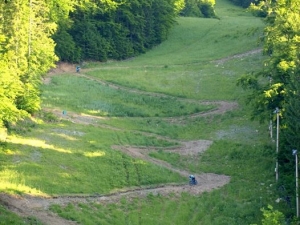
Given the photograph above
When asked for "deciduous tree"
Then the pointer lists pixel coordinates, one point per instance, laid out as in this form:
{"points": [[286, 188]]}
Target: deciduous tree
{"points": [[26, 53]]}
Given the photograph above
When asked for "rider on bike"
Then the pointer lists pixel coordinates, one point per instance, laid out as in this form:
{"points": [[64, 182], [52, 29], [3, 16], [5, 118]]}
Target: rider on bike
{"points": [[192, 179]]}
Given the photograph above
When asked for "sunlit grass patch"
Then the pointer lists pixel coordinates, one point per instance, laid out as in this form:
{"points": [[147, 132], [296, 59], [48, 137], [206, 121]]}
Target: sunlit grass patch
{"points": [[14, 182], [214, 80], [35, 143], [94, 154]]}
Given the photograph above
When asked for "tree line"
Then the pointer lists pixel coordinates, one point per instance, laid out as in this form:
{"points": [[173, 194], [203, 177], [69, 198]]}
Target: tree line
{"points": [[128, 28], [277, 85], [246, 3], [35, 34]]}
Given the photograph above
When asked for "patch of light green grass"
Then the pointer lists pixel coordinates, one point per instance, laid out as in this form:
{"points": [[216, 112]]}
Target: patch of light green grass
{"points": [[84, 95], [199, 40]]}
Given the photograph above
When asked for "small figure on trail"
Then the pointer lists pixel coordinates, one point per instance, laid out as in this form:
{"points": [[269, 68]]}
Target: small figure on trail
{"points": [[77, 69], [193, 180]]}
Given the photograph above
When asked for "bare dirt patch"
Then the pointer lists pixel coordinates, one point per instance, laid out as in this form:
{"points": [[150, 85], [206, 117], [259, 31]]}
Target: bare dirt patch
{"points": [[191, 148], [60, 68], [73, 117], [63, 67]]}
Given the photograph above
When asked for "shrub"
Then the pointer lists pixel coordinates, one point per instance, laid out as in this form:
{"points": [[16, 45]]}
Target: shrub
{"points": [[199, 8]]}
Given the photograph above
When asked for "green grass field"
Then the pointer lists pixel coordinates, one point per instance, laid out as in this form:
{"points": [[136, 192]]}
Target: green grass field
{"points": [[146, 102]]}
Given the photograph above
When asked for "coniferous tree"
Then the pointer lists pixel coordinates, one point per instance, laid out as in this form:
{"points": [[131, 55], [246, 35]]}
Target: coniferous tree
{"points": [[115, 29]]}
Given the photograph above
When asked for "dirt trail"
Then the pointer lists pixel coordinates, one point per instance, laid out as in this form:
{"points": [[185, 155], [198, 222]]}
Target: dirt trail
{"points": [[39, 206], [221, 106], [191, 148], [238, 56]]}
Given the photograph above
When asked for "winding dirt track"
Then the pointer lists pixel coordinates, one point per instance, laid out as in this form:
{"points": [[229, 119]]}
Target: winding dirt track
{"points": [[39, 206]]}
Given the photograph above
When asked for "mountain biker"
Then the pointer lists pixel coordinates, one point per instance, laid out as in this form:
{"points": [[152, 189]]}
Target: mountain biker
{"points": [[192, 179]]}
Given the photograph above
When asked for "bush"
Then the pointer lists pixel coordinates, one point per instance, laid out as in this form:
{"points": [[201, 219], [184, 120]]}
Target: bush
{"points": [[272, 217], [207, 8]]}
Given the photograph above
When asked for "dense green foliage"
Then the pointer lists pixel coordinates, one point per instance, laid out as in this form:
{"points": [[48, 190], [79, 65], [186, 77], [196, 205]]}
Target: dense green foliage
{"points": [[272, 217], [278, 83], [243, 3], [198, 8], [129, 28]]}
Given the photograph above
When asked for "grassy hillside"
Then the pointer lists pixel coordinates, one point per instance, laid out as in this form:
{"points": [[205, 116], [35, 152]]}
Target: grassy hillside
{"points": [[181, 65], [154, 101]]}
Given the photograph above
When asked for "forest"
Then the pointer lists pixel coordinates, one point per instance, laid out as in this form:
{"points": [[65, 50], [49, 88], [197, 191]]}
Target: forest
{"points": [[36, 34]]}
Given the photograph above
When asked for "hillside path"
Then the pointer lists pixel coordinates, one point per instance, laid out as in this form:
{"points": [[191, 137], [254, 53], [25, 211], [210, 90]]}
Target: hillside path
{"points": [[38, 207]]}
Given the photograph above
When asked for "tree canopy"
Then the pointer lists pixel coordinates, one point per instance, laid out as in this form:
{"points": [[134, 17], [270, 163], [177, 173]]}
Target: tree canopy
{"points": [[104, 30], [278, 83]]}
